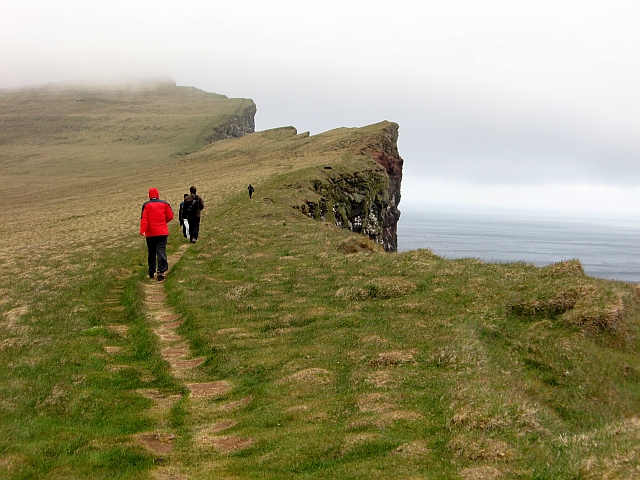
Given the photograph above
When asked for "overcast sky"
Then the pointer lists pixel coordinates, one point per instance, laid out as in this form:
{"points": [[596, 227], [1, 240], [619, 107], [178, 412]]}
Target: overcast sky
{"points": [[526, 105]]}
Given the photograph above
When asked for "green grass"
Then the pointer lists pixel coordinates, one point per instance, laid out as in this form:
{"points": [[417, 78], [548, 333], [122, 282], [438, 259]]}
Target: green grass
{"points": [[65, 413], [426, 352], [55, 141], [342, 364], [71, 164]]}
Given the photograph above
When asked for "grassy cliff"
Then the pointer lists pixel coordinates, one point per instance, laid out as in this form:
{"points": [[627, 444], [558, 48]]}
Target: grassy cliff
{"points": [[326, 356]]}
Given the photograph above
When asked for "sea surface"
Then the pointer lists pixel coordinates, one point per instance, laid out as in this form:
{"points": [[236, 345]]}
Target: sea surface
{"points": [[606, 247]]}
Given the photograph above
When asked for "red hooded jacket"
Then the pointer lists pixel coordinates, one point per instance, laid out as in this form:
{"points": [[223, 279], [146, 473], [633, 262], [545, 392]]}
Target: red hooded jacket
{"points": [[156, 214]]}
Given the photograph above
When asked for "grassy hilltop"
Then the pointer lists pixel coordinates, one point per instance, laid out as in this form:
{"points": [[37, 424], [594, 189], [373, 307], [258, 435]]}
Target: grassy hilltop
{"points": [[57, 140], [325, 357]]}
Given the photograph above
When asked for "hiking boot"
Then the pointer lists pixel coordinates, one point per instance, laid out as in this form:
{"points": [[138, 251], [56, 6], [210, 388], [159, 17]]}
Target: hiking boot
{"points": [[162, 276], [151, 275]]}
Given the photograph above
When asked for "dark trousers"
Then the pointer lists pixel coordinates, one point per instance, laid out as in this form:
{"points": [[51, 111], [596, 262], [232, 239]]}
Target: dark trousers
{"points": [[194, 228], [156, 247]]}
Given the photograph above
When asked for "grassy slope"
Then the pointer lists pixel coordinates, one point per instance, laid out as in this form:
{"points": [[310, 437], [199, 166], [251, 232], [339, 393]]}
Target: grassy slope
{"points": [[372, 365], [74, 169], [54, 140], [358, 365]]}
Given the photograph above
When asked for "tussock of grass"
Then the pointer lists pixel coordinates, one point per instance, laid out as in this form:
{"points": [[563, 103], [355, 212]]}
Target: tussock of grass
{"points": [[482, 449], [567, 268], [356, 245], [378, 288], [549, 307]]}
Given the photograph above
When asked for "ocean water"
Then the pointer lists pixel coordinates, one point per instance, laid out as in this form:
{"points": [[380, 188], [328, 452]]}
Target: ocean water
{"points": [[606, 247]]}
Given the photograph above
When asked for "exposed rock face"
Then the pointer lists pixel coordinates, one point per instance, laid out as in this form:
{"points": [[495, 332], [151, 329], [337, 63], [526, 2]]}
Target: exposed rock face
{"points": [[387, 155], [355, 201], [236, 125], [365, 201]]}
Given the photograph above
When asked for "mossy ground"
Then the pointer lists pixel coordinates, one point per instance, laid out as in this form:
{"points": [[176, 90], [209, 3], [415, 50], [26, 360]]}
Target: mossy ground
{"points": [[342, 361]]}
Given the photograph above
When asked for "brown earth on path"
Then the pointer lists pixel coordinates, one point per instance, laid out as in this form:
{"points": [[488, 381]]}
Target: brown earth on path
{"points": [[230, 444], [173, 324], [157, 442], [175, 352], [167, 335], [209, 389]]}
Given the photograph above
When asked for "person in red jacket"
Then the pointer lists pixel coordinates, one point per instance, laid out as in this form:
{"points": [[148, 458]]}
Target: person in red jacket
{"points": [[156, 214]]}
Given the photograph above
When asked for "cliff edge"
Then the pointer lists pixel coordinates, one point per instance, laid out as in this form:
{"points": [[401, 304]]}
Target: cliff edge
{"points": [[385, 152], [361, 193], [236, 126]]}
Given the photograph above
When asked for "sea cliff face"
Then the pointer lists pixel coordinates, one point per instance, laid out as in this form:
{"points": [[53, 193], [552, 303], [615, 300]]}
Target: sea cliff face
{"points": [[388, 156], [236, 125], [366, 200], [356, 181], [356, 201]]}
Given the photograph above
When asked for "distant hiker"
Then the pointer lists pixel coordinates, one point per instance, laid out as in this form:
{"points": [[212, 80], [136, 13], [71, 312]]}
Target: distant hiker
{"points": [[251, 190], [193, 205], [156, 214], [184, 223]]}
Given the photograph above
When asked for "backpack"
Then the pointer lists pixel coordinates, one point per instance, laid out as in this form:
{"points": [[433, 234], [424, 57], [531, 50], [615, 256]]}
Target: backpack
{"points": [[191, 208]]}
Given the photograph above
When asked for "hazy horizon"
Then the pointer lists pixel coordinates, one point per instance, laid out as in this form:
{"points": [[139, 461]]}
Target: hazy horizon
{"points": [[500, 105]]}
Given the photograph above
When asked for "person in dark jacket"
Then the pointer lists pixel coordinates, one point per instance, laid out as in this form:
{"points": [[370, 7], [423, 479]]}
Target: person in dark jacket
{"points": [[184, 223], [156, 214], [193, 205], [251, 190]]}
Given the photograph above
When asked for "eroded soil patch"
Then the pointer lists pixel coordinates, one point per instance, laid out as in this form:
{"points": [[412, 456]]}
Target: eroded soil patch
{"points": [[157, 442], [209, 389]]}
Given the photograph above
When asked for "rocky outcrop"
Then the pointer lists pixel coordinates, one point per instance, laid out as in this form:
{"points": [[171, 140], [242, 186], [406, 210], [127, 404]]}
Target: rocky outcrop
{"points": [[236, 125], [385, 152], [364, 201], [356, 201]]}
